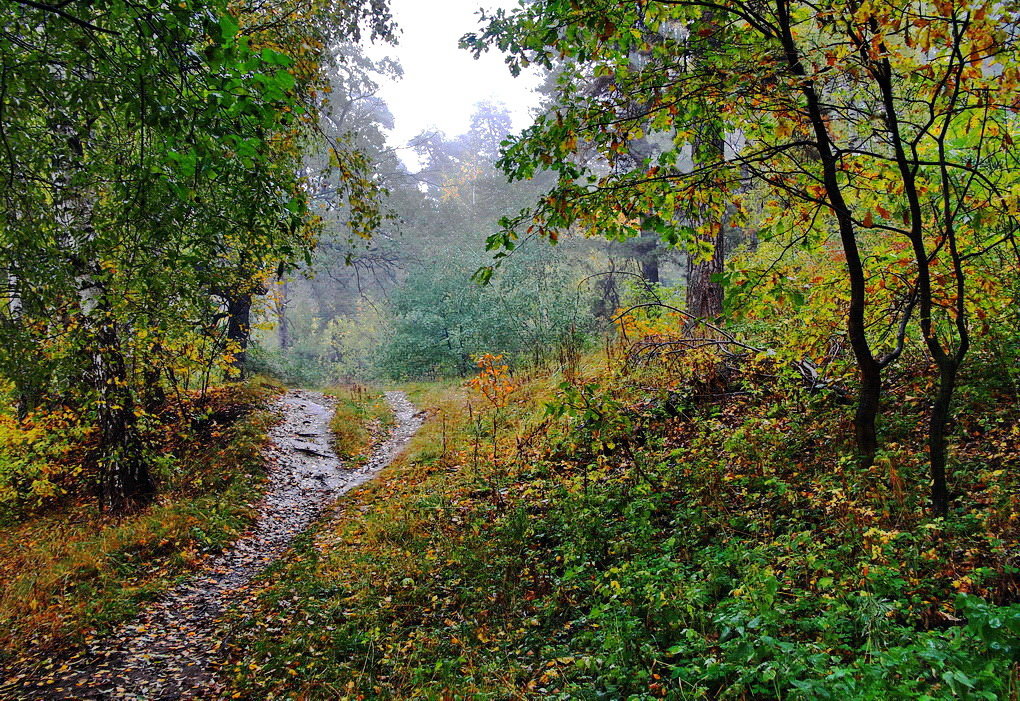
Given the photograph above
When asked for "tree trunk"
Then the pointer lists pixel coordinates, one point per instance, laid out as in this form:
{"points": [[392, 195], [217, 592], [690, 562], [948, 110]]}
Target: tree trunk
{"points": [[868, 403], [870, 369], [28, 395], [281, 313], [153, 393], [704, 295], [125, 482], [28, 389], [239, 332], [946, 359], [646, 251], [607, 300]]}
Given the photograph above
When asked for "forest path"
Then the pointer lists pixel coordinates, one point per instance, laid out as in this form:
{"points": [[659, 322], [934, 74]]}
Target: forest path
{"points": [[169, 651]]}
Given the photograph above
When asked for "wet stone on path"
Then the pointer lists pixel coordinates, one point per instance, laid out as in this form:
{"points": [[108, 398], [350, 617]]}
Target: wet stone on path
{"points": [[170, 650]]}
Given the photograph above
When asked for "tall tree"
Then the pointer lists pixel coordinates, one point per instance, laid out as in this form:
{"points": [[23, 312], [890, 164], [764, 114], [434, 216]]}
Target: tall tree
{"points": [[148, 159], [863, 119]]}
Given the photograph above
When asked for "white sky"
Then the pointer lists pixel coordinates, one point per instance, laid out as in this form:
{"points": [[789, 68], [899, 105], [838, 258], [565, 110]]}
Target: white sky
{"points": [[441, 82]]}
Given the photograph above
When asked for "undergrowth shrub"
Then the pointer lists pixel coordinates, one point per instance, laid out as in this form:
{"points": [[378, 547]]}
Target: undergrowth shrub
{"points": [[40, 462]]}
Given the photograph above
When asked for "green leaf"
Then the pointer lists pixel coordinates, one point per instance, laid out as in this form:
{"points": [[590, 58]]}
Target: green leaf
{"points": [[483, 276], [284, 79], [275, 58], [228, 28]]}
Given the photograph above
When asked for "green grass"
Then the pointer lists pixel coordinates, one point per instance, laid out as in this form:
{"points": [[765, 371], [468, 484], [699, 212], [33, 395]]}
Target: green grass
{"points": [[360, 417]]}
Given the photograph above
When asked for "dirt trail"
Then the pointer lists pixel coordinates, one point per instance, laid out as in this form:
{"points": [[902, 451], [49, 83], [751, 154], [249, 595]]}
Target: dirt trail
{"points": [[170, 650]]}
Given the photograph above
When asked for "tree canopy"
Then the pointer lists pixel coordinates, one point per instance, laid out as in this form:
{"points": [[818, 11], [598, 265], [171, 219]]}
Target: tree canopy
{"points": [[150, 155], [882, 128]]}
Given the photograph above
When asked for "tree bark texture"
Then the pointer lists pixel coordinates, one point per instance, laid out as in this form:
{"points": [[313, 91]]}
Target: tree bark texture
{"points": [[239, 331], [704, 296]]}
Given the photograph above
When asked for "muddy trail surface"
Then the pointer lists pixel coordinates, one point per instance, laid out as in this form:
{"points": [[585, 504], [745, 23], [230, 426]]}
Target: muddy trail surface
{"points": [[170, 651]]}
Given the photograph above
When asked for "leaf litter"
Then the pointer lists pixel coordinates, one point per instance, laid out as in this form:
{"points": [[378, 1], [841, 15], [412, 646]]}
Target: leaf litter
{"points": [[172, 650]]}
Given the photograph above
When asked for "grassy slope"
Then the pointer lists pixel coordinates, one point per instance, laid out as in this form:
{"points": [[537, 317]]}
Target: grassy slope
{"points": [[666, 536], [73, 573]]}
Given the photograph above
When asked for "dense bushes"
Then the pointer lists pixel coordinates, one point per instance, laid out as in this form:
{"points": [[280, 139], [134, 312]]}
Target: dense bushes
{"points": [[531, 312], [40, 460], [536, 309]]}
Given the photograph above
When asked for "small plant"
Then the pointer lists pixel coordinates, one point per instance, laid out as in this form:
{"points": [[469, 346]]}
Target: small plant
{"points": [[493, 380]]}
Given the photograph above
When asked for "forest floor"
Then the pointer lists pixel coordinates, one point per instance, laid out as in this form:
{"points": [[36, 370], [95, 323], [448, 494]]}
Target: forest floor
{"points": [[652, 531], [171, 650]]}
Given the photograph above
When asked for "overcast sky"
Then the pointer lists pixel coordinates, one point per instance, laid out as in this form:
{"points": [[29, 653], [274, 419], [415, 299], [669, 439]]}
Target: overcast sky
{"points": [[441, 82]]}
